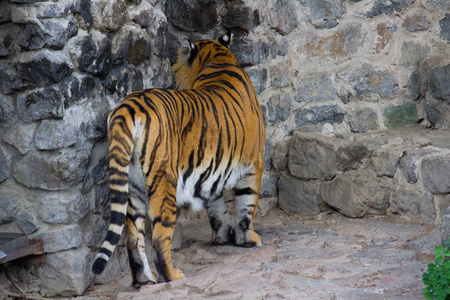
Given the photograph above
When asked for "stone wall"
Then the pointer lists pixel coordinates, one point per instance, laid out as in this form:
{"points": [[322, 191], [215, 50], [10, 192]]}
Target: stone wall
{"points": [[335, 71]]}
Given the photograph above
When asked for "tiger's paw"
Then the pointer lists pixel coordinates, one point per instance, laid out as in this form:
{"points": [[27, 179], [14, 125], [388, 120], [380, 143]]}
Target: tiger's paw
{"points": [[177, 274], [224, 235], [247, 238], [145, 281]]}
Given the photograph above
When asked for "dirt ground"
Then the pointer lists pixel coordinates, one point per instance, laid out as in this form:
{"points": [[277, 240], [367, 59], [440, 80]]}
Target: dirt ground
{"points": [[323, 257]]}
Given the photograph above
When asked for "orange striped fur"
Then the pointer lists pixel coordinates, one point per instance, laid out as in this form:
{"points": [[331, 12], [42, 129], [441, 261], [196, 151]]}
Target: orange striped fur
{"points": [[170, 148]]}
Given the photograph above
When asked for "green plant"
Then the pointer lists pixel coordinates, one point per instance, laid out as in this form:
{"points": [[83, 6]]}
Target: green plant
{"points": [[437, 277]]}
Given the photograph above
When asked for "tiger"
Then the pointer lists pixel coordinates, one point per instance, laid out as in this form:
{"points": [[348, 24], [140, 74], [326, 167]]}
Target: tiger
{"points": [[180, 148]]}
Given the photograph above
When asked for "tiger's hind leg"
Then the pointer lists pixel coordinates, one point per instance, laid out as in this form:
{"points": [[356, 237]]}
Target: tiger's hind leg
{"points": [[247, 196], [135, 221], [162, 212], [219, 219]]}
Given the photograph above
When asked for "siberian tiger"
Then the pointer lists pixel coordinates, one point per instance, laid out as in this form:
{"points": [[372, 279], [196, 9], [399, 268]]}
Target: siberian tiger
{"points": [[170, 148]]}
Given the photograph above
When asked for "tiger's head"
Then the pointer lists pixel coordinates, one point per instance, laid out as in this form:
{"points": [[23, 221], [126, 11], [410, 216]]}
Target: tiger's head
{"points": [[192, 57]]}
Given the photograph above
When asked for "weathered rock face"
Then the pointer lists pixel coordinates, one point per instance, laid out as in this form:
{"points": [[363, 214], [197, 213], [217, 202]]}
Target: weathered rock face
{"points": [[335, 71]]}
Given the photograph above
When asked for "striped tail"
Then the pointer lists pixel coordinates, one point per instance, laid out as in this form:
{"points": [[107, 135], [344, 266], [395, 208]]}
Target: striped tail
{"points": [[120, 148]]}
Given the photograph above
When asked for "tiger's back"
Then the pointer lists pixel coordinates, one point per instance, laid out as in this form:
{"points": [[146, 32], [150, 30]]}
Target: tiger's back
{"points": [[182, 148]]}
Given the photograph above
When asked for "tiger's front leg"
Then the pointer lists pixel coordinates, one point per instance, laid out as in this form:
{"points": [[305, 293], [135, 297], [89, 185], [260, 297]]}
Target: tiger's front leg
{"points": [[247, 196], [163, 211]]}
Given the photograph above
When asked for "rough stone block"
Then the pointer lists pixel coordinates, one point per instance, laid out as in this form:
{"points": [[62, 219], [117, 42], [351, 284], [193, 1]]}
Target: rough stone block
{"points": [[436, 174], [342, 44], [399, 116], [44, 67], [185, 14], [4, 166], [60, 238], [63, 208], [51, 171], [27, 222], [355, 194], [8, 209], [434, 74], [265, 205], [108, 14], [366, 80], [6, 107], [65, 273], [117, 264], [317, 89], [51, 33], [280, 75], [408, 163], [414, 85], [351, 156], [445, 229], [258, 76], [445, 27], [131, 44], [9, 80], [413, 205], [239, 16], [363, 120], [416, 23], [325, 9], [98, 168], [268, 186], [381, 7], [123, 81], [250, 52], [283, 16], [279, 107], [312, 156], [386, 161], [299, 196], [279, 158], [92, 52], [412, 53], [319, 115], [56, 134], [436, 4], [76, 88], [40, 104], [21, 137]]}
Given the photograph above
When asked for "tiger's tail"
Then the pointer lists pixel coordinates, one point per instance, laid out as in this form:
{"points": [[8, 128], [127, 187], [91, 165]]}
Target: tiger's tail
{"points": [[121, 141]]}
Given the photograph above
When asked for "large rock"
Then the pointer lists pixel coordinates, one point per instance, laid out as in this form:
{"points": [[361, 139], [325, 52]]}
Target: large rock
{"points": [[363, 120], [436, 174], [366, 80], [434, 74], [341, 44], [409, 161], [412, 53], [27, 222], [316, 89], [385, 161], [258, 76], [63, 208], [60, 238], [65, 273], [242, 17], [21, 137], [51, 171], [40, 104], [56, 134], [413, 205], [185, 14], [279, 107], [283, 16], [445, 27], [355, 194], [51, 33], [388, 7], [250, 52], [351, 156], [131, 45], [324, 13], [9, 206], [399, 116], [312, 156], [6, 107], [4, 166], [319, 115], [76, 88], [108, 15], [299, 196], [44, 67]]}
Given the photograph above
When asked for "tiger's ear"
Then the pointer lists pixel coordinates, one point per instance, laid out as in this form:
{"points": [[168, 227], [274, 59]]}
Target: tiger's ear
{"points": [[225, 39], [187, 46]]}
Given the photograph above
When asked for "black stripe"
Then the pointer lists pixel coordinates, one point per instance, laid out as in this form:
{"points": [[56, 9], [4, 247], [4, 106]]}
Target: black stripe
{"points": [[244, 191], [105, 251], [112, 237]]}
